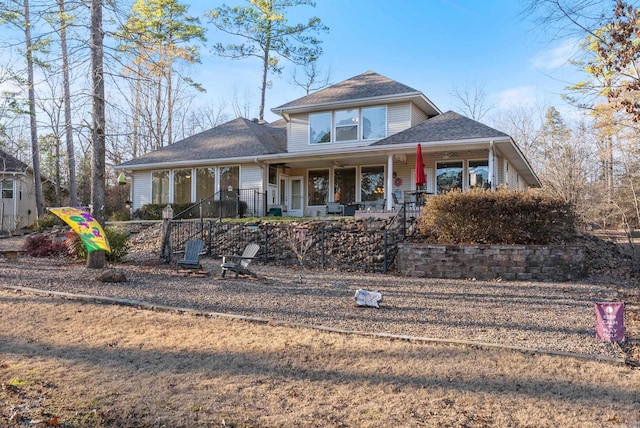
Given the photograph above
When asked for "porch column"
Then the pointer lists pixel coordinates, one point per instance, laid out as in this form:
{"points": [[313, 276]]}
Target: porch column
{"points": [[492, 167], [389, 187]]}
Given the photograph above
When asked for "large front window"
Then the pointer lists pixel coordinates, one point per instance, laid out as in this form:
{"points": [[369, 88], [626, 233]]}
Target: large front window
{"points": [[448, 176], [478, 173], [205, 182], [371, 183], [318, 187], [229, 180], [320, 128], [160, 187], [344, 185], [182, 186], [374, 123], [346, 125]]}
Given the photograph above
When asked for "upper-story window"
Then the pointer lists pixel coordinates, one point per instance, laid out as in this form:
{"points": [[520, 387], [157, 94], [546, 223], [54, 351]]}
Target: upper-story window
{"points": [[368, 123], [320, 128], [346, 125], [374, 123]]}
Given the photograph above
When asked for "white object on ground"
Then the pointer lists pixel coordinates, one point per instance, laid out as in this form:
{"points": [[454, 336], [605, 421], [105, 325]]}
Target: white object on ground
{"points": [[368, 298]]}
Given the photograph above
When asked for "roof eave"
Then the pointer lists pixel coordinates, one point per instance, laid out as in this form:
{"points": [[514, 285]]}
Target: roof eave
{"points": [[418, 97]]}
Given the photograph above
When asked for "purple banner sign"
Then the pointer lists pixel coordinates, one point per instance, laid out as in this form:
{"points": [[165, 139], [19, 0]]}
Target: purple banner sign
{"points": [[610, 321]]}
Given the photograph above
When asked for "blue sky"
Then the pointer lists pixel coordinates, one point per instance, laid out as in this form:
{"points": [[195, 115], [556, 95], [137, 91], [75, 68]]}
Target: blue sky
{"points": [[430, 45]]}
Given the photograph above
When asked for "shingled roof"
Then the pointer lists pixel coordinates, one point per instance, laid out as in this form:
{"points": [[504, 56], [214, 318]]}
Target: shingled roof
{"points": [[234, 139], [445, 127], [9, 163], [365, 85]]}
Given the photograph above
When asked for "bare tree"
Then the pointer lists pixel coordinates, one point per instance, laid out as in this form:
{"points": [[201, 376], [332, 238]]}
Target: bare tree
{"points": [[472, 100], [19, 15], [71, 158], [97, 259], [313, 77]]}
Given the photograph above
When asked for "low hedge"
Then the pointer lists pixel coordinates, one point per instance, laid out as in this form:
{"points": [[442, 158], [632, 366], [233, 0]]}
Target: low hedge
{"points": [[211, 209], [497, 217]]}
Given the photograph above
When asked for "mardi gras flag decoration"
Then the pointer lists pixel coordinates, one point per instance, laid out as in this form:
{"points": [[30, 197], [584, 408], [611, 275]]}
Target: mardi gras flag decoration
{"points": [[87, 228]]}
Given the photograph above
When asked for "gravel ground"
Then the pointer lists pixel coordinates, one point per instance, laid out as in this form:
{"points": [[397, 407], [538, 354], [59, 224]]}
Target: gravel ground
{"points": [[547, 316]]}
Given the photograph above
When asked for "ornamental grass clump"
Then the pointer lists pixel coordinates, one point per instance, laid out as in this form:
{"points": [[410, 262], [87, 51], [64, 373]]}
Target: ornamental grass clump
{"points": [[497, 217]]}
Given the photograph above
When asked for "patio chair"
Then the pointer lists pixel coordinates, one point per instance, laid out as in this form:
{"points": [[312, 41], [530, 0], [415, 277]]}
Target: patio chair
{"points": [[192, 252], [240, 264], [334, 208]]}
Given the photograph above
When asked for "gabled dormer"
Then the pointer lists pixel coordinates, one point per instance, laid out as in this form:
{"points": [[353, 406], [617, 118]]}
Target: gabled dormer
{"points": [[355, 112]]}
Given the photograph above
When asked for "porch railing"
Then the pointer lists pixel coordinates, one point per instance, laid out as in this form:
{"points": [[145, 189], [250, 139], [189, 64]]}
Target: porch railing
{"points": [[227, 204]]}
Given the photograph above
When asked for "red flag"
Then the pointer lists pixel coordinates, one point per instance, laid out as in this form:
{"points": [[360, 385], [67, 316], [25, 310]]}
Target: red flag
{"points": [[421, 180]]}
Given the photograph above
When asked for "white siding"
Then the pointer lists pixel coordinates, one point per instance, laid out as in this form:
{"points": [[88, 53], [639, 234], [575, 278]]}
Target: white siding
{"points": [[298, 138], [500, 178], [250, 177], [141, 182], [417, 115], [398, 118]]}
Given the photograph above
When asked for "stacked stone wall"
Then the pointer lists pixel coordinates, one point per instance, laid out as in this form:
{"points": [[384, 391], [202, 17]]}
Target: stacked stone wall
{"points": [[486, 262]]}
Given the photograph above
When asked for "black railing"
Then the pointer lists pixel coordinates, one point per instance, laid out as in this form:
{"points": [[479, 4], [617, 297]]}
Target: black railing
{"points": [[227, 204], [327, 245]]}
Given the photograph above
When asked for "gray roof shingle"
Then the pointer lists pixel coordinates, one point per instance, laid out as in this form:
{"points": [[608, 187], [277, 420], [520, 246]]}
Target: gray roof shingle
{"points": [[9, 163], [445, 127], [237, 138], [366, 85]]}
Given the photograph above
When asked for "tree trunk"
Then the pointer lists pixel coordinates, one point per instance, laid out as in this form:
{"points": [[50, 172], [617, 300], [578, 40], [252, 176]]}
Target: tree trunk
{"points": [[265, 71], [159, 114], [71, 157], [169, 100], [35, 151], [97, 259]]}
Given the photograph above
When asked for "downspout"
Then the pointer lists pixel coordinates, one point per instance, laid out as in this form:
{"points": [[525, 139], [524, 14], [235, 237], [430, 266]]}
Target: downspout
{"points": [[492, 166], [389, 199]]}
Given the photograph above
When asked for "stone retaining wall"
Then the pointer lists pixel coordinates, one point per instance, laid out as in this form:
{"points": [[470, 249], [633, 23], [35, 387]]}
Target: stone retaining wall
{"points": [[486, 262]]}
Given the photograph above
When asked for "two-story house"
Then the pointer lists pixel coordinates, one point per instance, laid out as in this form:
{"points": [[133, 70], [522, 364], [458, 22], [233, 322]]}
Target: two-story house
{"points": [[352, 143]]}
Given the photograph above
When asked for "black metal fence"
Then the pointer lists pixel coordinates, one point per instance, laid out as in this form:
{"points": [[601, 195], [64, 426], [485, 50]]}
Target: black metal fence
{"points": [[319, 244], [228, 204]]}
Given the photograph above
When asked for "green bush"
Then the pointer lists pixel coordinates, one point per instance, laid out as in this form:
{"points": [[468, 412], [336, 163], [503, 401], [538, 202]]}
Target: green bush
{"points": [[120, 215], [118, 242], [210, 209], [47, 221], [501, 217]]}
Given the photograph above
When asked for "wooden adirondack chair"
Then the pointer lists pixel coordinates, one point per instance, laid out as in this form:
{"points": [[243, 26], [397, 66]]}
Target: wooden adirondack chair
{"points": [[240, 264], [192, 252]]}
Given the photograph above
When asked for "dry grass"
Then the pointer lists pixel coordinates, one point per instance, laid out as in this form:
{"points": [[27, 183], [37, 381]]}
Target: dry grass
{"points": [[100, 365], [70, 363]]}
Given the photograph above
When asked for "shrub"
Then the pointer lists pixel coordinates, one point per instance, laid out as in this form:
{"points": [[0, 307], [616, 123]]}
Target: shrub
{"points": [[118, 242], [40, 245], [47, 221], [120, 215], [501, 217], [211, 209]]}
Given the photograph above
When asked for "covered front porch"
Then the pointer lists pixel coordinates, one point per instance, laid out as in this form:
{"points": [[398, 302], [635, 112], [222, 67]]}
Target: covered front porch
{"points": [[371, 183]]}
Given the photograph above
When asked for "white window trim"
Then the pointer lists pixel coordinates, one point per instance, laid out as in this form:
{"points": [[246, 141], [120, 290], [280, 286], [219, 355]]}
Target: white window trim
{"points": [[358, 117], [334, 127]]}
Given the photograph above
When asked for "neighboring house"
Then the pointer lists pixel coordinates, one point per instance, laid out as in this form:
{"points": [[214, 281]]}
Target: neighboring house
{"points": [[353, 142], [17, 194]]}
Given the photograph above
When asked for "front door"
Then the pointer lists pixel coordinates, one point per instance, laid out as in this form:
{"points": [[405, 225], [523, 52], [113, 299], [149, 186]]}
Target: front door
{"points": [[295, 206]]}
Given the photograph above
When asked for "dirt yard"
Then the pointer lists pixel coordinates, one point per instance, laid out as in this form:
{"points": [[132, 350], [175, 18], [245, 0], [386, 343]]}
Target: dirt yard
{"points": [[437, 353]]}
